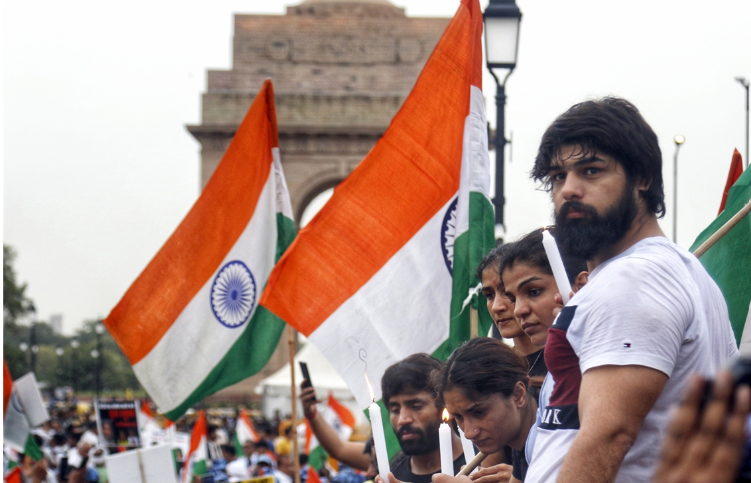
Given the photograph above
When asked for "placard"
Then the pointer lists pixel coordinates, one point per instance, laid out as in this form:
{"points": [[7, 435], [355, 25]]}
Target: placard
{"points": [[117, 423]]}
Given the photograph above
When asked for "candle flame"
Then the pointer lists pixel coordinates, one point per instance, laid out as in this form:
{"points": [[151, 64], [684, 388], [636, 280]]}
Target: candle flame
{"points": [[544, 227], [445, 415], [370, 388]]}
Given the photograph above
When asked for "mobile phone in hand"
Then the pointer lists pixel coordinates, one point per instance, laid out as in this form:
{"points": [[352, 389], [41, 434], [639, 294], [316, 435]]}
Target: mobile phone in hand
{"points": [[305, 375]]}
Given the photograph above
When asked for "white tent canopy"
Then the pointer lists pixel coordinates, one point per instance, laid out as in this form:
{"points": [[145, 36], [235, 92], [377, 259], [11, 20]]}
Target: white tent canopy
{"points": [[276, 388]]}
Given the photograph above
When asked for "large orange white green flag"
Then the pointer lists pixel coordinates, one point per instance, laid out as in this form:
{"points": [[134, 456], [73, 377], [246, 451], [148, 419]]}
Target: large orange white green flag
{"points": [[190, 324], [385, 268]]}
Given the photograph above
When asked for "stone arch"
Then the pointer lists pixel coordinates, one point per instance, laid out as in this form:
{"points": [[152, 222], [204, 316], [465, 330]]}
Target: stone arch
{"points": [[317, 187]]}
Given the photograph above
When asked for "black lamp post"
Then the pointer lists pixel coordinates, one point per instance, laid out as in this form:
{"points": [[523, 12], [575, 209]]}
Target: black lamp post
{"points": [[679, 140], [744, 83], [97, 354], [502, 18], [33, 338]]}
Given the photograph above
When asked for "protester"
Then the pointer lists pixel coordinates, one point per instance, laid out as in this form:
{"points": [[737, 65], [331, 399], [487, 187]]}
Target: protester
{"points": [[501, 310], [285, 469], [622, 349], [236, 468], [350, 453], [415, 414], [98, 463], [485, 386]]}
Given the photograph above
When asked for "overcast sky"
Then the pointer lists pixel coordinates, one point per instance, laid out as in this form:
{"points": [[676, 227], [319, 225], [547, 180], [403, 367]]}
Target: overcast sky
{"points": [[99, 169]]}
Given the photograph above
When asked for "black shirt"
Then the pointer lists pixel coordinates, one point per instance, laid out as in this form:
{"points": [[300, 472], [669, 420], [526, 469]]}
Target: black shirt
{"points": [[403, 472], [519, 460], [537, 365]]}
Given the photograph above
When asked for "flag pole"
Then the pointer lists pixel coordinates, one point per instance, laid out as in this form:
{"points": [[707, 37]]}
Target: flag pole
{"points": [[295, 449], [723, 230]]}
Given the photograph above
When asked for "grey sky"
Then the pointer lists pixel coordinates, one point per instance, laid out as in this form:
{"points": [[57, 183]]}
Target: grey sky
{"points": [[99, 169]]}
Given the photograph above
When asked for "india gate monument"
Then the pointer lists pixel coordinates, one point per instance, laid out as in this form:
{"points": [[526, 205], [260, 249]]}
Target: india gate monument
{"points": [[341, 69]]}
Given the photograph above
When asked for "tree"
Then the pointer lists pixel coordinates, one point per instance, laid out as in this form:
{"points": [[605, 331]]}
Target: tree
{"points": [[15, 303]]}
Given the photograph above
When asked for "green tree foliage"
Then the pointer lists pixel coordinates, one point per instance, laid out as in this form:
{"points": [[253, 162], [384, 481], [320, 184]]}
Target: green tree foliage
{"points": [[74, 366], [15, 303]]}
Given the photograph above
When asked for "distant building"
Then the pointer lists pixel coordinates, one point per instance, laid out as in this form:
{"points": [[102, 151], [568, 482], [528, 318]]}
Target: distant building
{"points": [[341, 70], [56, 322]]}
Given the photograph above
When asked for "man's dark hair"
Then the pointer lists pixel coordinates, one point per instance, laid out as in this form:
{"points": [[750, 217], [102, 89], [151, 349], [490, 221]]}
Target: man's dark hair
{"points": [[530, 250], [229, 449], [410, 376], [612, 126]]}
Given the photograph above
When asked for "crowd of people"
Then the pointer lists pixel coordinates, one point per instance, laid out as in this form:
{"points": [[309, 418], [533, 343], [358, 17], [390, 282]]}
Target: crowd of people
{"points": [[609, 387], [586, 391]]}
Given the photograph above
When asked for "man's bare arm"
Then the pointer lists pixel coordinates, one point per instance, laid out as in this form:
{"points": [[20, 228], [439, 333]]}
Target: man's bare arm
{"points": [[348, 452], [613, 402]]}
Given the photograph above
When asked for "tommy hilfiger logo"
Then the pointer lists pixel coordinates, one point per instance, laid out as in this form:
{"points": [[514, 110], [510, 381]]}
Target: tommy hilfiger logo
{"points": [[627, 345]]}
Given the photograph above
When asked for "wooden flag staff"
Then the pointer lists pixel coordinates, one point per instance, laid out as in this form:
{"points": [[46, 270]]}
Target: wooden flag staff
{"points": [[723, 230], [295, 448]]}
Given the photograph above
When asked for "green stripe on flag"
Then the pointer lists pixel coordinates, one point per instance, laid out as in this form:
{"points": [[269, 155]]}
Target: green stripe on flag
{"points": [[199, 468], [32, 449], [728, 262], [317, 458], [469, 249], [252, 350]]}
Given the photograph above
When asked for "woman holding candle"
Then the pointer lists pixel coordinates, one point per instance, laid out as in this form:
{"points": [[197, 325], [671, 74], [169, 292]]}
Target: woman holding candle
{"points": [[485, 386]]}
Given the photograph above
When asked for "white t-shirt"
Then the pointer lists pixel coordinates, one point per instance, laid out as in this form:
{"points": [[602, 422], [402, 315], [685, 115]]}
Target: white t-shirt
{"points": [[653, 305]]}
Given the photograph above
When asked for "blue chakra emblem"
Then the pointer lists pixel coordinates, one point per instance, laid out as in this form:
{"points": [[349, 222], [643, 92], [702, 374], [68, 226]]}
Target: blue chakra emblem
{"points": [[448, 234], [233, 294]]}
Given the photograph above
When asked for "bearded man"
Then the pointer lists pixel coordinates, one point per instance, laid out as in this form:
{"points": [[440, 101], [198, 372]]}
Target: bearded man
{"points": [[415, 415], [622, 350]]}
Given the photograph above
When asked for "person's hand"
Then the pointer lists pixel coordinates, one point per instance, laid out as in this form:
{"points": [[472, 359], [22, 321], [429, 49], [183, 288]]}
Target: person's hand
{"points": [[77, 475], [492, 474], [392, 479], [441, 478], [309, 401], [706, 445]]}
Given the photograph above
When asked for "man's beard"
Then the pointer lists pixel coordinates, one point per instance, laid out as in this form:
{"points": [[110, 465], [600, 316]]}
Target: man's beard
{"points": [[426, 443], [588, 236]]}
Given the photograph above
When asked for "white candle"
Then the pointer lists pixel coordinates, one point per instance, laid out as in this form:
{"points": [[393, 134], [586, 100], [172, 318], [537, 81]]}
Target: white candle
{"points": [[447, 450], [556, 264], [469, 450], [379, 438]]}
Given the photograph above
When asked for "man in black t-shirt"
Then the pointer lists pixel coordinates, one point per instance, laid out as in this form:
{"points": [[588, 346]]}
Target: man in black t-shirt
{"points": [[415, 415]]}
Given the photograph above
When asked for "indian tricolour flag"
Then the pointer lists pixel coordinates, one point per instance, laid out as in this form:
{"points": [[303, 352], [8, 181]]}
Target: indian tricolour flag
{"points": [[191, 324], [244, 432], [339, 418], [195, 460], [384, 270], [728, 262], [16, 428]]}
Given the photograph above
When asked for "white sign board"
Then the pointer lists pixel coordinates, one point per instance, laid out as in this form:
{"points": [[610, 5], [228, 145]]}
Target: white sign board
{"points": [[31, 399], [150, 465]]}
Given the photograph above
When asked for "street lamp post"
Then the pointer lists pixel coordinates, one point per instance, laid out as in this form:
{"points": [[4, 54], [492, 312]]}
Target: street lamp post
{"points": [[678, 141], [33, 338], [502, 18], [744, 83], [97, 354]]}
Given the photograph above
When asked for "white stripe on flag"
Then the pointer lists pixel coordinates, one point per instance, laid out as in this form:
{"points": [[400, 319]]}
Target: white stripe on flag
{"points": [[745, 346], [196, 341], [414, 286], [475, 159]]}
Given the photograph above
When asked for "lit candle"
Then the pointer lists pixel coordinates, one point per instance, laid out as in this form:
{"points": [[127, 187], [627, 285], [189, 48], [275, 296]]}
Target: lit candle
{"points": [[469, 450], [556, 264], [447, 450], [379, 438]]}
